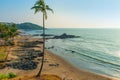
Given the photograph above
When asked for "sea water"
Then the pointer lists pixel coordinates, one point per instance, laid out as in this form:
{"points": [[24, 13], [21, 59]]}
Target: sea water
{"points": [[96, 50]]}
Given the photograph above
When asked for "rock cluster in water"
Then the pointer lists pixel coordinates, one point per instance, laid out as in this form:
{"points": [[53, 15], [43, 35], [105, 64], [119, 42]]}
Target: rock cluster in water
{"points": [[64, 36], [47, 35]]}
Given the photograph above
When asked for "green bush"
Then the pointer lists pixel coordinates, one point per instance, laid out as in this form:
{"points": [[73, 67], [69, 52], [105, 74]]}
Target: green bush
{"points": [[7, 76], [12, 75], [3, 76]]}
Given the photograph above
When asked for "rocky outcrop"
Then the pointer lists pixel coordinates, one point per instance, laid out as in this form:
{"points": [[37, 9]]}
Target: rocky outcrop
{"points": [[26, 60], [27, 55], [36, 35], [47, 35], [23, 65], [64, 36]]}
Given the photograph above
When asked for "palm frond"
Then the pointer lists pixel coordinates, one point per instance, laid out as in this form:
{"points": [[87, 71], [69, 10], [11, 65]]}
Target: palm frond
{"points": [[37, 2], [37, 8], [40, 6], [40, 3], [48, 8]]}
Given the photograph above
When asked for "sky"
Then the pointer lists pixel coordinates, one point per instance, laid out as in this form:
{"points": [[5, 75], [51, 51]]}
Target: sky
{"points": [[67, 13]]}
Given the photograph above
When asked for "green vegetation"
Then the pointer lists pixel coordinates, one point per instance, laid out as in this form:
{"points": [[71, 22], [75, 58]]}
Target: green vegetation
{"points": [[7, 34], [2, 53], [2, 56], [40, 6], [28, 26], [32, 77], [25, 26], [7, 76]]}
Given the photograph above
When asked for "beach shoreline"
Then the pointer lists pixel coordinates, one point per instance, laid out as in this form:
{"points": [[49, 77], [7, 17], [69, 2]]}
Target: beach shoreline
{"points": [[53, 64], [78, 74]]}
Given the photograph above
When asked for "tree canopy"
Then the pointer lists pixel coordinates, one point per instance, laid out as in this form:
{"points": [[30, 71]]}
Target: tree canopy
{"points": [[7, 32]]}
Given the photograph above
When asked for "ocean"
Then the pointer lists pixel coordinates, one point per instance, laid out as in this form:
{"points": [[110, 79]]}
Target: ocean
{"points": [[97, 50]]}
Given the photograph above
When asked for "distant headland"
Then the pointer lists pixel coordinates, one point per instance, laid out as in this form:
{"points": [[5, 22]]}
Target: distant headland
{"points": [[25, 26]]}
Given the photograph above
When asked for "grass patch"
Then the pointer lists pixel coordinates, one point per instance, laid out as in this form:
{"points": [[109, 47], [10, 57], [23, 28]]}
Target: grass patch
{"points": [[43, 77], [2, 53], [7, 76], [2, 56], [2, 49]]}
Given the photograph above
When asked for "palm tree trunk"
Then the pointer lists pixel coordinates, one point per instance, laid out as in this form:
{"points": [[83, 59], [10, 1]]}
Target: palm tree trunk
{"points": [[41, 67]]}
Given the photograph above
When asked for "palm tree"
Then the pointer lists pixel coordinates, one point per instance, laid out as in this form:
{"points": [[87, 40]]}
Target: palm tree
{"points": [[40, 6], [4, 34], [13, 31]]}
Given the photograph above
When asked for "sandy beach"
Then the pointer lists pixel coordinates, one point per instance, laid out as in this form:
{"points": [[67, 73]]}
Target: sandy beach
{"points": [[53, 64]]}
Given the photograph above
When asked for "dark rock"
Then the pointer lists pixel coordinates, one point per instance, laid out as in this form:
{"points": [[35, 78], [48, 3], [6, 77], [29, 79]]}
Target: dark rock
{"points": [[31, 44], [54, 65], [64, 36], [70, 51], [26, 55], [2, 65], [23, 65], [39, 59], [73, 51], [40, 54], [47, 35], [50, 47], [36, 35]]}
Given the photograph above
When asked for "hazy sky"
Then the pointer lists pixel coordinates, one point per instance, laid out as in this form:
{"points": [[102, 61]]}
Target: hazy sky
{"points": [[67, 13]]}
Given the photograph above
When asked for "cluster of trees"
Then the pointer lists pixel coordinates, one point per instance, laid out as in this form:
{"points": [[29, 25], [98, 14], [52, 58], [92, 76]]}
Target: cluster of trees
{"points": [[7, 33]]}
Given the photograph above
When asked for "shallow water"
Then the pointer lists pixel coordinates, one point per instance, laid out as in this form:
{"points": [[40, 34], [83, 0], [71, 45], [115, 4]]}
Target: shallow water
{"points": [[97, 50]]}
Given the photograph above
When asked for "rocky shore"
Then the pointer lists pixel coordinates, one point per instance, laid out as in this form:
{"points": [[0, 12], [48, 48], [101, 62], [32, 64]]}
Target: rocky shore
{"points": [[62, 36], [25, 58]]}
